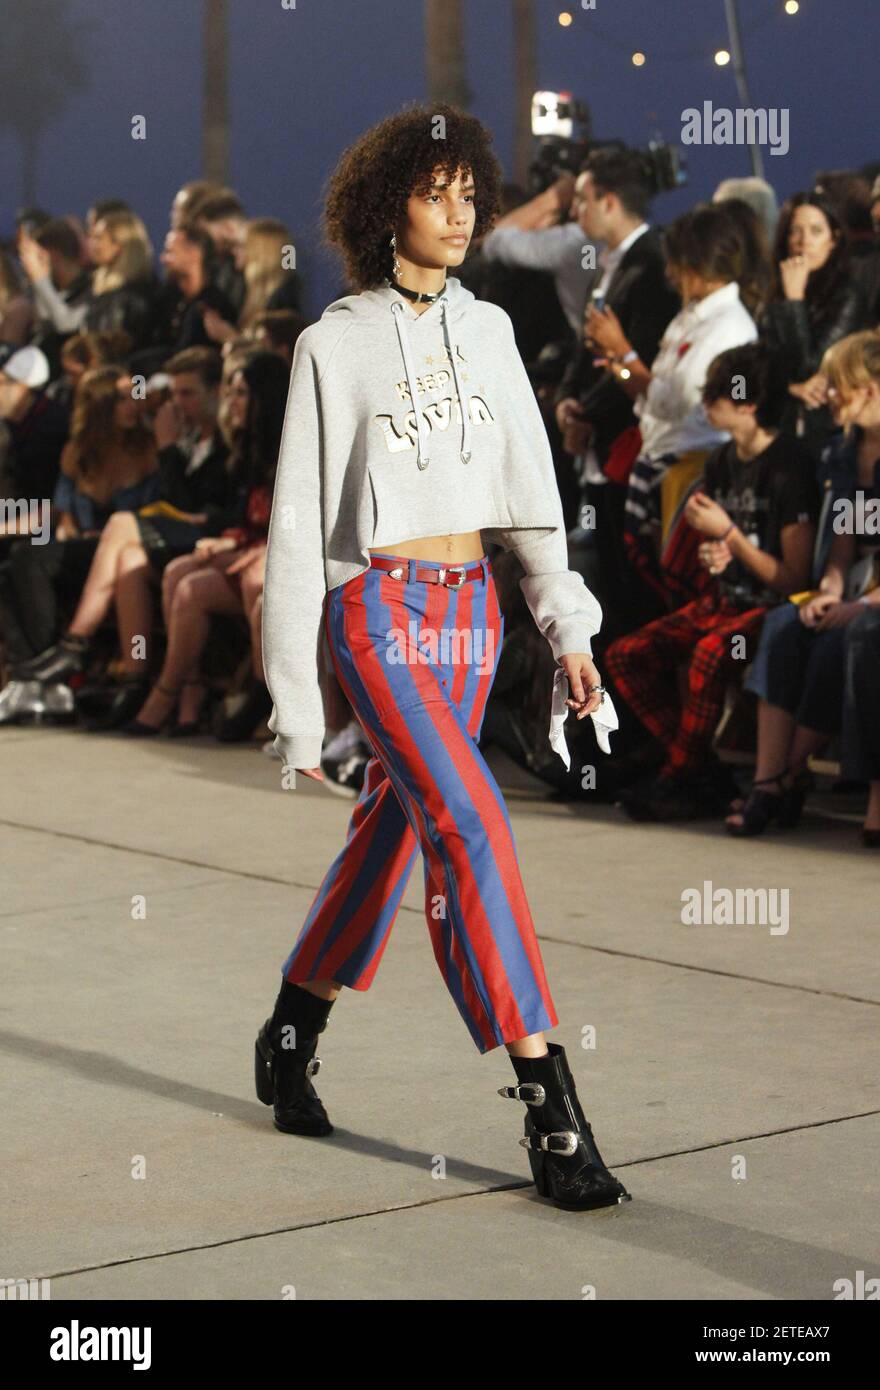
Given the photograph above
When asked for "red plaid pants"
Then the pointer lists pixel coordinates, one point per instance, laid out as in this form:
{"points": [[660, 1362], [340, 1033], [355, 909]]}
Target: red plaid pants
{"points": [[644, 667]]}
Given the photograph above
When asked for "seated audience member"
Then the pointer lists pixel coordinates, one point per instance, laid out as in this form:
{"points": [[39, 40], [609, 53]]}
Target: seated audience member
{"points": [[703, 259], [188, 258], [194, 500], [122, 288], [225, 573], [593, 410], [756, 512], [222, 216], [107, 465], [52, 260], [34, 432], [268, 285], [104, 207], [188, 200], [16, 310], [277, 330], [817, 299], [798, 673]]}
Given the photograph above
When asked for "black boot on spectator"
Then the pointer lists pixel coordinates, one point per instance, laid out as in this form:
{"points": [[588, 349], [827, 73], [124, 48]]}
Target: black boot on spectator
{"points": [[127, 698], [68, 657], [235, 728], [283, 1071], [639, 765], [679, 796]]}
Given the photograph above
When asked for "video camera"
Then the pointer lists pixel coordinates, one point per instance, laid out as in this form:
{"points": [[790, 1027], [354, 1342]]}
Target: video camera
{"points": [[563, 130]]}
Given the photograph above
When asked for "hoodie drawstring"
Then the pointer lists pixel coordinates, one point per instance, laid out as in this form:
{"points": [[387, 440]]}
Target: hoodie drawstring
{"points": [[462, 404], [422, 456]]}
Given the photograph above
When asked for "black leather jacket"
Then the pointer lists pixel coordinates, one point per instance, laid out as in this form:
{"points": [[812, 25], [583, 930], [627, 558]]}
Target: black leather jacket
{"points": [[800, 343], [131, 308]]}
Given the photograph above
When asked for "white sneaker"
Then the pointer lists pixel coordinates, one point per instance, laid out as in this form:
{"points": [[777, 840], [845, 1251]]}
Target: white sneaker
{"points": [[348, 740]]}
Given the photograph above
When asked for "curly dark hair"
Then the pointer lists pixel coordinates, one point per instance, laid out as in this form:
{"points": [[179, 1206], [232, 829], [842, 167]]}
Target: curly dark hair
{"points": [[368, 191]]}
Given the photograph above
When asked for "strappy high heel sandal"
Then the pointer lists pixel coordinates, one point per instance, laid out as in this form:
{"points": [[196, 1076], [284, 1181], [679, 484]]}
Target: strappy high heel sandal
{"points": [[761, 807], [135, 728], [793, 797]]}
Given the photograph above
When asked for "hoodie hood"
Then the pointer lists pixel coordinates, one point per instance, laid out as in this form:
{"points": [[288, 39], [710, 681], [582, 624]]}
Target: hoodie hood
{"points": [[384, 304]]}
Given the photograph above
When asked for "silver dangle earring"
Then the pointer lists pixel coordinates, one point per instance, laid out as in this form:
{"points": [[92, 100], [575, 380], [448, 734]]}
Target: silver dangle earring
{"points": [[397, 266]]}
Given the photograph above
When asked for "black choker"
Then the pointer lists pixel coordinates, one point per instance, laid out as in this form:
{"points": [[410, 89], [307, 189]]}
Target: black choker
{"points": [[417, 295]]}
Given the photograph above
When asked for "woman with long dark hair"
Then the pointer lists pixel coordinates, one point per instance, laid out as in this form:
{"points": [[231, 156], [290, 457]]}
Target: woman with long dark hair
{"points": [[412, 440], [816, 301]]}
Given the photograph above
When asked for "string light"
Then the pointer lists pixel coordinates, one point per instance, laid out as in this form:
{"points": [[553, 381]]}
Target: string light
{"points": [[691, 51]]}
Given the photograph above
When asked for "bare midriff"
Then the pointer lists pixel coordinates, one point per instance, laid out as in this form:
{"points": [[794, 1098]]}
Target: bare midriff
{"points": [[458, 550]]}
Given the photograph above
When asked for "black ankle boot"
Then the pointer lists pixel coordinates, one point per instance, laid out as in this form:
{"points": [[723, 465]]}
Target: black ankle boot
{"points": [[285, 1061], [563, 1156]]}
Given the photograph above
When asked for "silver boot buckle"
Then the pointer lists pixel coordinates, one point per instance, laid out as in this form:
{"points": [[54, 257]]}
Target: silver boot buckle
{"points": [[561, 1141], [529, 1091]]}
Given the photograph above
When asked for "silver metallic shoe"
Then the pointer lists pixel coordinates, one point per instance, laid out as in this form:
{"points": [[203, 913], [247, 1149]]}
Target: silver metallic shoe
{"points": [[21, 701]]}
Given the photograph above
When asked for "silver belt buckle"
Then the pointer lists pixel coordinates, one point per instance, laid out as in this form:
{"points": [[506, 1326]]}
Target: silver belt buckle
{"points": [[460, 570], [397, 572]]}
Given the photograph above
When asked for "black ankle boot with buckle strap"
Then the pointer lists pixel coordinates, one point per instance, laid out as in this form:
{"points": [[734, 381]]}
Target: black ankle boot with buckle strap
{"points": [[285, 1061], [565, 1162]]}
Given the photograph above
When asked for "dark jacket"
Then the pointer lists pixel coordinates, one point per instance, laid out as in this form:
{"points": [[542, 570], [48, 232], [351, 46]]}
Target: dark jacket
{"points": [[208, 489], [30, 466], [799, 340], [644, 301], [181, 319], [131, 308]]}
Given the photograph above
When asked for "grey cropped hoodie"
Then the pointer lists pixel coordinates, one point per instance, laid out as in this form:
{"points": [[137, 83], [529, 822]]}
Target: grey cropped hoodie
{"points": [[402, 425]]}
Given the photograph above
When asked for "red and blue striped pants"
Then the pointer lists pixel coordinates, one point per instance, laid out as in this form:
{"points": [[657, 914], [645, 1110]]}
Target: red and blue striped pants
{"points": [[417, 661]]}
